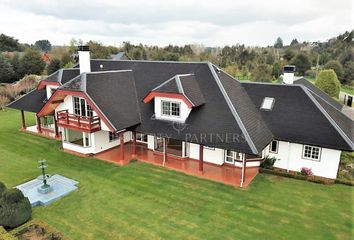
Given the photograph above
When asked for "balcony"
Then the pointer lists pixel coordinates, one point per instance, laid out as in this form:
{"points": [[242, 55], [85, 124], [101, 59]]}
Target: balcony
{"points": [[78, 122]]}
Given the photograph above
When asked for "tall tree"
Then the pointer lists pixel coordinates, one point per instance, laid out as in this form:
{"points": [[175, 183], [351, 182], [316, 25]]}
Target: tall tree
{"points": [[302, 63], [98, 51], [15, 63], [278, 43], [43, 45], [6, 71], [262, 73], [53, 66], [31, 63], [294, 42], [327, 81], [8, 43]]}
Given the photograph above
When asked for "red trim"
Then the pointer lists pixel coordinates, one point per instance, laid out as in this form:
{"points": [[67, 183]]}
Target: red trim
{"points": [[201, 158], [60, 94], [121, 137], [39, 127], [153, 94], [42, 84]]}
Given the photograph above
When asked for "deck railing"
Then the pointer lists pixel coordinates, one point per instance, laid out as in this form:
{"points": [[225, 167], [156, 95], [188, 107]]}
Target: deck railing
{"points": [[78, 122]]}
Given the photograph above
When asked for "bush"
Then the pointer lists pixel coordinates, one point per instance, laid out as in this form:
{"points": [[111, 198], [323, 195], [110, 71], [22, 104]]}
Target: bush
{"points": [[327, 81], [302, 63], [5, 235], [262, 73], [306, 171], [15, 208], [336, 66], [3, 102], [311, 73], [268, 162]]}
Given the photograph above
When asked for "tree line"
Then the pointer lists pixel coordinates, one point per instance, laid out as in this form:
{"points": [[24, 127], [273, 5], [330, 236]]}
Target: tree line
{"points": [[243, 62]]}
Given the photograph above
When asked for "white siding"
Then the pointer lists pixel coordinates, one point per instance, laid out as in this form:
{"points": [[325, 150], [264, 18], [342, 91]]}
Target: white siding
{"points": [[289, 157], [151, 142], [184, 111], [215, 156], [49, 90]]}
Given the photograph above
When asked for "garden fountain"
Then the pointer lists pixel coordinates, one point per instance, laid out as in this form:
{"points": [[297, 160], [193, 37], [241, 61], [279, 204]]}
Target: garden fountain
{"points": [[45, 189]]}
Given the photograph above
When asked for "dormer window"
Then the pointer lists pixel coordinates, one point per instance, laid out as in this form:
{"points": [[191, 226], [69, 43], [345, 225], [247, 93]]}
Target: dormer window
{"points": [[171, 109], [267, 104]]}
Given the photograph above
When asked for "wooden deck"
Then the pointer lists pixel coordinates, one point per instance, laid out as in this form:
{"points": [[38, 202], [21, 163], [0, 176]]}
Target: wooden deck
{"points": [[226, 174]]}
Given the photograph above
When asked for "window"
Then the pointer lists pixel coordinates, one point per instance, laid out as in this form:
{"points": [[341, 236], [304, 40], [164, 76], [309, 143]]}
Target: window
{"points": [[231, 156], [140, 137], [113, 136], [273, 148], [268, 103], [171, 108], [311, 153], [81, 107]]}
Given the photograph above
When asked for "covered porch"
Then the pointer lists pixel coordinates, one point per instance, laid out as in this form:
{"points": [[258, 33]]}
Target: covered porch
{"points": [[45, 126], [226, 173]]}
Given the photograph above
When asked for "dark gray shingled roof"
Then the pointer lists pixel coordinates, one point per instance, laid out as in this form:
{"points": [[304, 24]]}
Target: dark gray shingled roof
{"points": [[316, 91], [212, 124], [297, 116], [248, 115], [31, 102], [63, 75], [114, 94], [184, 84]]}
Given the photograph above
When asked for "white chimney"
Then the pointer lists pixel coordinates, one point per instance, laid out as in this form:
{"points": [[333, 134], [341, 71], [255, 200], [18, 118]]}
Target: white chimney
{"points": [[84, 59], [289, 71]]}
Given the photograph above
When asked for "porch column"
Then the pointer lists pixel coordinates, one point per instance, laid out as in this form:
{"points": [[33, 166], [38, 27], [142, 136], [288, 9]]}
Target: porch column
{"points": [[201, 158], [164, 140], [23, 119], [243, 173], [134, 144], [56, 127], [121, 137], [39, 127]]}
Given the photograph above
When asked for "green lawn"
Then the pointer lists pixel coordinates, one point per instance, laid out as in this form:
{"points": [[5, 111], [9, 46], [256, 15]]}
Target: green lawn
{"points": [[140, 201]]}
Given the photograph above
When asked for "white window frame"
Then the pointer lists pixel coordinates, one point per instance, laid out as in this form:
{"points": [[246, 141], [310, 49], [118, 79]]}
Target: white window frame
{"points": [[235, 157], [271, 144], [113, 136], [88, 110], [308, 149], [170, 114], [142, 137], [264, 101]]}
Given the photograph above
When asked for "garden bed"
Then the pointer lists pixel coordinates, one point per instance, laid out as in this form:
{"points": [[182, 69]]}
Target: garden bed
{"points": [[37, 230]]}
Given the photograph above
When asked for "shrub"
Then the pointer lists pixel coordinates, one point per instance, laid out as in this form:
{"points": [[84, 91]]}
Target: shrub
{"points": [[306, 171], [336, 66], [2, 188], [3, 102], [268, 162], [327, 81], [311, 73], [15, 208]]}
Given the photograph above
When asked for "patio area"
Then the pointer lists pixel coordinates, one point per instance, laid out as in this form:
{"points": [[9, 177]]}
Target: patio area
{"points": [[226, 174], [45, 132]]}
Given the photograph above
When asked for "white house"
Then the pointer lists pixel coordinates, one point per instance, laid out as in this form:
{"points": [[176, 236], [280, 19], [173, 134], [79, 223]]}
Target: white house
{"points": [[190, 116]]}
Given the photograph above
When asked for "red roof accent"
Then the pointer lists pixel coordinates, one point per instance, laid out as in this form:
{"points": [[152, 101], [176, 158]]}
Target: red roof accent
{"points": [[154, 94], [42, 84], [60, 94]]}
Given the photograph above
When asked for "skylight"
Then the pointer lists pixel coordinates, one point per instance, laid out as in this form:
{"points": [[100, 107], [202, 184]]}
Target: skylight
{"points": [[268, 103]]}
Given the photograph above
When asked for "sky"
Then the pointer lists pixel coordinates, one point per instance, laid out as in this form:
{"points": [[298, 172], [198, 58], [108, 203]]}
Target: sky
{"points": [[163, 22]]}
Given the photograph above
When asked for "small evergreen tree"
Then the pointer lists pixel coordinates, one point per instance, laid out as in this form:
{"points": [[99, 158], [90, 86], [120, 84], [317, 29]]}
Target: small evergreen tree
{"points": [[327, 81], [15, 208], [278, 43], [43, 45], [294, 42], [337, 68]]}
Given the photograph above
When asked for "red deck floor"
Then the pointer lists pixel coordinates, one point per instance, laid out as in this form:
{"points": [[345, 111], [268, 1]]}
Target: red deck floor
{"points": [[226, 174]]}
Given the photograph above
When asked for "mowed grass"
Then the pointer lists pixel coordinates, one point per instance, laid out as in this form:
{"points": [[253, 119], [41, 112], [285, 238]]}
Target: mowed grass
{"points": [[140, 201]]}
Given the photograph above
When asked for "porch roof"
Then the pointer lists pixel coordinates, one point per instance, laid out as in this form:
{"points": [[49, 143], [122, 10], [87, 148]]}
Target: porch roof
{"points": [[31, 102]]}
